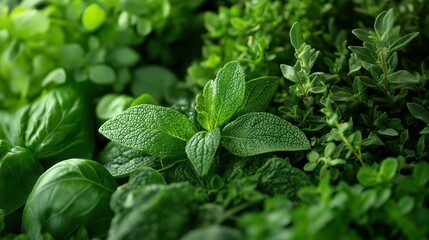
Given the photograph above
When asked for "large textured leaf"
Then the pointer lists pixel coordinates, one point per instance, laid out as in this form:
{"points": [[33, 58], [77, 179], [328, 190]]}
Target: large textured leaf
{"points": [[19, 171], [56, 126], [71, 194], [155, 130], [221, 97], [122, 161], [201, 149], [153, 212], [261, 132], [259, 92], [278, 176]]}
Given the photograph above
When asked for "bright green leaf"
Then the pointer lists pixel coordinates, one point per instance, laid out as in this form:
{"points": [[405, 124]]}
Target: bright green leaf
{"points": [[155, 130], [221, 97], [55, 77], [295, 34], [102, 74], [260, 132], [367, 176], [29, 22], [93, 17], [201, 150], [145, 98], [388, 168]]}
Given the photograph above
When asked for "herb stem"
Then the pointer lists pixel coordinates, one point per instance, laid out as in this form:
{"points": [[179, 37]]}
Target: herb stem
{"points": [[357, 153]]}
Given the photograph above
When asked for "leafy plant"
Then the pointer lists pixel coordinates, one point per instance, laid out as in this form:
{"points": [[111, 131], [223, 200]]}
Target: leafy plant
{"points": [[166, 133]]}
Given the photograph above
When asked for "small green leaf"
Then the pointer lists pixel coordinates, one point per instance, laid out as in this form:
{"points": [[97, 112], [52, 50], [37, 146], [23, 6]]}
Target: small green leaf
{"points": [[261, 132], [419, 112], [201, 150], [259, 92], [421, 173], [388, 132], [144, 26], [388, 168], [93, 17], [102, 74], [310, 166], [384, 24], [213, 232], [111, 105], [289, 73], [57, 76], [155, 130], [221, 97], [367, 176], [363, 35], [402, 42], [145, 98], [154, 80], [329, 149], [365, 54], [29, 22], [124, 57], [405, 204], [295, 34]]}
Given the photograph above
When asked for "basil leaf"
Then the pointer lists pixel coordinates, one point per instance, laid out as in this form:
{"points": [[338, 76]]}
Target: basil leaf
{"points": [[71, 194], [19, 171], [278, 176], [55, 127], [259, 92], [201, 149], [155, 130], [261, 132], [122, 161], [221, 97]]}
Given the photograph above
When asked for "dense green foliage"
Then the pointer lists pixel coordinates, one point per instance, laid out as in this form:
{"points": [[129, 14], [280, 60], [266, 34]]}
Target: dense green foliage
{"points": [[226, 119]]}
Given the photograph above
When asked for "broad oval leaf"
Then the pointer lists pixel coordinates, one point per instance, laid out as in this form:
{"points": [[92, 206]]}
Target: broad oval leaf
{"points": [[261, 132], [221, 97], [71, 194], [19, 171], [155, 130], [201, 150], [54, 127]]}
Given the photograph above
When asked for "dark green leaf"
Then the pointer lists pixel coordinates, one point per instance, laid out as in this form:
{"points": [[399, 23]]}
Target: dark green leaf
{"points": [[213, 232], [155, 130], [73, 193], [19, 171], [111, 105], [363, 35], [419, 112], [122, 161], [384, 24], [421, 174], [402, 77], [365, 54], [201, 150], [278, 176], [256, 133]]}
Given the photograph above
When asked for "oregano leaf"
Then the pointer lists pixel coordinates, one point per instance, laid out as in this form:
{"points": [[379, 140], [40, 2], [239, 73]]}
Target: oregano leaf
{"points": [[261, 132], [155, 130], [221, 97], [295, 35], [201, 149]]}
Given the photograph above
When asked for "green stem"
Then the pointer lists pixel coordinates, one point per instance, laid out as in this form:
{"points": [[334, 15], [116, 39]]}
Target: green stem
{"points": [[358, 153], [385, 77]]}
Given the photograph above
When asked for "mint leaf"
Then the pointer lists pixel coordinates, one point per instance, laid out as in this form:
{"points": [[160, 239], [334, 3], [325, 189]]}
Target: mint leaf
{"points": [[259, 92], [201, 149], [221, 97], [122, 161], [155, 130], [261, 132]]}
